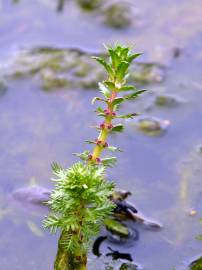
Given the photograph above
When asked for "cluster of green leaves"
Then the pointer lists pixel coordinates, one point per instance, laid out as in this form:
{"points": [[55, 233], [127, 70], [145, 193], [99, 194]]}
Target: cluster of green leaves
{"points": [[117, 68], [79, 204]]}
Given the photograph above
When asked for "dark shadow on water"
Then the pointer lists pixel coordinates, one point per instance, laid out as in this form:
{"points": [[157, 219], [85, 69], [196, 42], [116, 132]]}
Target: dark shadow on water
{"points": [[116, 255], [61, 5]]}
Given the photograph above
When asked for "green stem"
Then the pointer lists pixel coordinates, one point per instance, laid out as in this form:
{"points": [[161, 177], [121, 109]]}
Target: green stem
{"points": [[66, 260], [104, 132], [62, 258]]}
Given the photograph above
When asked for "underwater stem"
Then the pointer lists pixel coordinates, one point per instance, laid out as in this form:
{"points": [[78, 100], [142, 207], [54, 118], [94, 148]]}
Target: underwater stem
{"points": [[66, 260], [61, 261]]}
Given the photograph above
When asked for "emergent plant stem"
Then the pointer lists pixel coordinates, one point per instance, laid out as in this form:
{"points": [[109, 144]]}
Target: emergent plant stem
{"points": [[104, 132]]}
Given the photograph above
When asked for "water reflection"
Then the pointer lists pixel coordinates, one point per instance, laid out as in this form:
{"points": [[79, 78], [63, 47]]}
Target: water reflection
{"points": [[38, 127]]}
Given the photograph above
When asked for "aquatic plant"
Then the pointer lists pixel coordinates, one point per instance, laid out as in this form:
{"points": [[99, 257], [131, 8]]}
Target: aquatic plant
{"points": [[117, 14], [81, 201], [196, 265]]}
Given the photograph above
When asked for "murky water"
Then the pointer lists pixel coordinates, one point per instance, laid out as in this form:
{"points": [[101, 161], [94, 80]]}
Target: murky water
{"points": [[38, 127]]}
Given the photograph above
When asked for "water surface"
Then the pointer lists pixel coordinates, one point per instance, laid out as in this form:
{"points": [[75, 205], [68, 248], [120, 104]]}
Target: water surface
{"points": [[37, 128]]}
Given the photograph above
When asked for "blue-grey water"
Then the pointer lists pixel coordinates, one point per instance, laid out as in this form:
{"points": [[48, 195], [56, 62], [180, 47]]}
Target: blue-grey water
{"points": [[36, 128]]}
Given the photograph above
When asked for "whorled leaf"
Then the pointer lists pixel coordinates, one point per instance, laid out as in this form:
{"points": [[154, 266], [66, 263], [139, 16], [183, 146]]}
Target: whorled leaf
{"points": [[127, 116], [113, 149], [134, 95], [118, 128], [79, 204], [104, 64], [122, 70], [118, 101], [109, 161], [110, 85], [83, 156], [133, 57], [127, 88], [97, 99], [100, 111], [104, 90]]}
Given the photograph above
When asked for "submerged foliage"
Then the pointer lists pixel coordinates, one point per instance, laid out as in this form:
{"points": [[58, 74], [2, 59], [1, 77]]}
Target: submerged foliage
{"points": [[79, 203]]}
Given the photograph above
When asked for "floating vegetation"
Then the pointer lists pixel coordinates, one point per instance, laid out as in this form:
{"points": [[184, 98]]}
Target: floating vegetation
{"points": [[146, 73], [51, 81], [114, 14], [116, 227], [119, 232], [152, 126], [89, 4], [117, 15], [129, 266], [166, 101], [70, 68], [116, 237], [56, 68], [199, 237]]}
